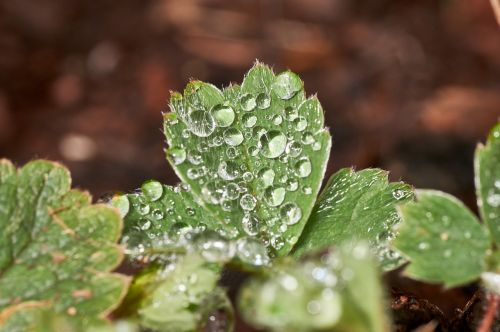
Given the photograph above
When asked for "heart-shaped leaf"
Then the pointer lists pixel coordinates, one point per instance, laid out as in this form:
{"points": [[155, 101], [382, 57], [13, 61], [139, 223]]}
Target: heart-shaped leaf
{"points": [[255, 154], [443, 239], [356, 206], [56, 247], [487, 167]]}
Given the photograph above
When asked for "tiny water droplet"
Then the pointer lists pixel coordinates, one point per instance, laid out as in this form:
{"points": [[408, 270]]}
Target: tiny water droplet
{"points": [[263, 101], [249, 120], [274, 195], [201, 123], [250, 224], [266, 176], [303, 167], [300, 123], [228, 170], [144, 224], [307, 138], [177, 155], [157, 214], [248, 202]]}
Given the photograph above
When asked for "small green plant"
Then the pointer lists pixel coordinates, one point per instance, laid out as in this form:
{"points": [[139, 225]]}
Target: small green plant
{"points": [[251, 158], [444, 241]]}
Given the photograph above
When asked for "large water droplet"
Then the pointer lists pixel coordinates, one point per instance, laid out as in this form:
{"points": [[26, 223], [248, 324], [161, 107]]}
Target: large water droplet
{"points": [[228, 170], [250, 224], [300, 123], [290, 213], [287, 84], [263, 101], [122, 203], [177, 155], [247, 102], [249, 120], [233, 137], [274, 195], [266, 176], [251, 251], [201, 123], [152, 190], [223, 115], [248, 202], [272, 144], [303, 167]]}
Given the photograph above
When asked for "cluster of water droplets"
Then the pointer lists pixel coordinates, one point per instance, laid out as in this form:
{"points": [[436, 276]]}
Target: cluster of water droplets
{"points": [[249, 157], [305, 295]]}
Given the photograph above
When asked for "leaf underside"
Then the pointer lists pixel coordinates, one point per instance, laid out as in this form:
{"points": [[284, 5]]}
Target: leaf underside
{"points": [[443, 240], [254, 154], [487, 172], [356, 206], [56, 248]]}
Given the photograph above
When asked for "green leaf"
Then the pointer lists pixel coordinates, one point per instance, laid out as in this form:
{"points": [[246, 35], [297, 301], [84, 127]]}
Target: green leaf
{"points": [[443, 240], [356, 206], [337, 291], [57, 248], [178, 298], [254, 154], [487, 169]]}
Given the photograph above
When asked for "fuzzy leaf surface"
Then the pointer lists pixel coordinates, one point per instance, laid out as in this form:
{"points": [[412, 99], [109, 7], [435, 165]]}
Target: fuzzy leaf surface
{"points": [[56, 247], [443, 240], [254, 154], [487, 169], [356, 206]]}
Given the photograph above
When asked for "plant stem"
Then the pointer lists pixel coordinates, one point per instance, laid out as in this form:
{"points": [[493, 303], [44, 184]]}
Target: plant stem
{"points": [[490, 313]]}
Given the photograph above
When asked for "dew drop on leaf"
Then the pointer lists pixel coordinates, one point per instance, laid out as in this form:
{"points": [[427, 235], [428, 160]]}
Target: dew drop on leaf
{"points": [[290, 213], [248, 202], [228, 170], [233, 137], [251, 251], [201, 123], [248, 102], [153, 190], [303, 167], [122, 203], [272, 144], [250, 224], [287, 84], [177, 155], [274, 195], [263, 101], [223, 115]]}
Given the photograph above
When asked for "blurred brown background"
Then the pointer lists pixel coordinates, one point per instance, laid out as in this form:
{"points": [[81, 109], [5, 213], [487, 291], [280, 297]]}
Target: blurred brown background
{"points": [[410, 86]]}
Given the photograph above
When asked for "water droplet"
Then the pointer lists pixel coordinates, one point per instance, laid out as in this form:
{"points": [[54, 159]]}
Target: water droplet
{"points": [[274, 195], [248, 202], [266, 176], [247, 102], [277, 120], [152, 189], [300, 123], [214, 248], [272, 144], [253, 150], [250, 224], [228, 170], [291, 113], [249, 120], [303, 167], [423, 246], [232, 191], [247, 176], [190, 211], [122, 203], [290, 213], [157, 214], [398, 194], [287, 84], [233, 137], [250, 251], [493, 199], [223, 115], [144, 209], [294, 149], [232, 152], [201, 123], [316, 146], [211, 193], [176, 155], [144, 224], [263, 101], [194, 158], [307, 138], [277, 242], [292, 184]]}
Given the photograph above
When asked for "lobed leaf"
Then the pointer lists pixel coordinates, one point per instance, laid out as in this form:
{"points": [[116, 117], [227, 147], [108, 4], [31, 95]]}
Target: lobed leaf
{"points": [[487, 175], [254, 154], [337, 291], [56, 247], [443, 240], [356, 206]]}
